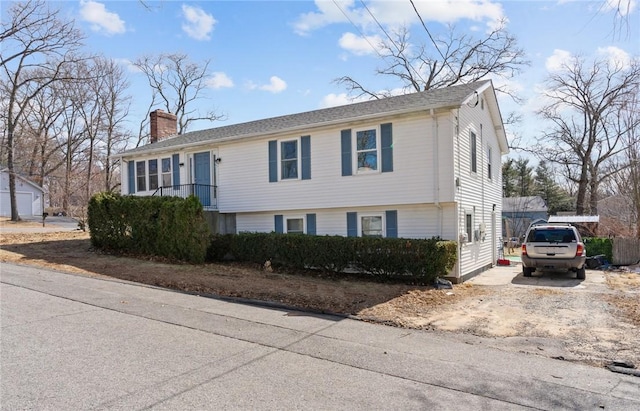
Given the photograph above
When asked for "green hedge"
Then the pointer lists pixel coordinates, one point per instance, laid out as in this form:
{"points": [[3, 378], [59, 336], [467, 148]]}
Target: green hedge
{"points": [[599, 246], [170, 227], [417, 260]]}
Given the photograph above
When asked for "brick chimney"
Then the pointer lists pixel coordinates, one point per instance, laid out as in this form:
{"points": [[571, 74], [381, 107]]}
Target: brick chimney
{"points": [[163, 125]]}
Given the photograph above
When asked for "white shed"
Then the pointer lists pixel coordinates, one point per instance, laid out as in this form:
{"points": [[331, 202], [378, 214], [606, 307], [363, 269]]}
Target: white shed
{"points": [[29, 196]]}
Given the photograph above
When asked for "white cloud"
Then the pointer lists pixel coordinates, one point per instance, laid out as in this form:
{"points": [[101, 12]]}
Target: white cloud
{"points": [[198, 23], [358, 45], [333, 100], [101, 20], [276, 85], [128, 65], [395, 13], [558, 60], [621, 7], [219, 80], [615, 56]]}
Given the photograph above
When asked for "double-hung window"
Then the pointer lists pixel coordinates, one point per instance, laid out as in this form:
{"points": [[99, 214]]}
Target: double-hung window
{"points": [[166, 172], [141, 175], [289, 159], [366, 150], [153, 174]]}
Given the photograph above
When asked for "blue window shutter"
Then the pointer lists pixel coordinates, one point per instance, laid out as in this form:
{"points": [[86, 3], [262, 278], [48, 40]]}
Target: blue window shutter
{"points": [[279, 226], [273, 161], [392, 223], [311, 224], [386, 139], [132, 176], [345, 136], [352, 224], [305, 143], [176, 170]]}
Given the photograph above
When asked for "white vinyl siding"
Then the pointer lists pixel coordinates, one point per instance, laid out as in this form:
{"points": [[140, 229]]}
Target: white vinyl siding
{"points": [[247, 189]]}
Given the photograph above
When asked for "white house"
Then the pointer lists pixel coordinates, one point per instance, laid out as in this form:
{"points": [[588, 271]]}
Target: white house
{"points": [[420, 165], [29, 196]]}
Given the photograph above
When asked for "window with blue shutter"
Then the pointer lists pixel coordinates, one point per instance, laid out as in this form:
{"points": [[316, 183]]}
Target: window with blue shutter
{"points": [[386, 141], [132, 177], [352, 224], [391, 217], [345, 142], [278, 223], [273, 161], [311, 224], [176, 170], [305, 146]]}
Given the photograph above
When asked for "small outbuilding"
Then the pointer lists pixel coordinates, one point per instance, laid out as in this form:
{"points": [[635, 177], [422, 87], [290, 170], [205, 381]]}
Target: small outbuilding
{"points": [[29, 196]]}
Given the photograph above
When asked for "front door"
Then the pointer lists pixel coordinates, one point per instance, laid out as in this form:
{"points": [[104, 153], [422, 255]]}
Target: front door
{"points": [[202, 177]]}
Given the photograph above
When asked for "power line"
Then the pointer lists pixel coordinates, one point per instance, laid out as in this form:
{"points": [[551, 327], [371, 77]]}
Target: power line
{"points": [[444, 60], [392, 41], [359, 31]]}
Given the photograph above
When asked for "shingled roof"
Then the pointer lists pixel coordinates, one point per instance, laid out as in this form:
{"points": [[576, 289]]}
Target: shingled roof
{"points": [[445, 97]]}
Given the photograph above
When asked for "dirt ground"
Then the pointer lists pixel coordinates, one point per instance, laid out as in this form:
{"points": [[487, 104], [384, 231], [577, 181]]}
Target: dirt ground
{"points": [[593, 322]]}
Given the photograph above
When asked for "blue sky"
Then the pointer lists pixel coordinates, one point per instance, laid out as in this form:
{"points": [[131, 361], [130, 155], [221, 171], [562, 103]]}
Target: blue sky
{"points": [[270, 58]]}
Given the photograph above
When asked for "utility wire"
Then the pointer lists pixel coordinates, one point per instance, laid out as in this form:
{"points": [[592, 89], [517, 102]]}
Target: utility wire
{"points": [[444, 60], [359, 31], [391, 40]]}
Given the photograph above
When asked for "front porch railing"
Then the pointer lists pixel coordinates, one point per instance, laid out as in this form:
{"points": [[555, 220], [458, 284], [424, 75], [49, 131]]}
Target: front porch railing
{"points": [[207, 194]]}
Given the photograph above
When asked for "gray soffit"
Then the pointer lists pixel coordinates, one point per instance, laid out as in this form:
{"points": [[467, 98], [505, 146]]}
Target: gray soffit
{"points": [[452, 96]]}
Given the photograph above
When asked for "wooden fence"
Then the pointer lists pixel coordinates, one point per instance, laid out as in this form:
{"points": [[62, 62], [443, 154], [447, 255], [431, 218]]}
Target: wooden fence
{"points": [[626, 251]]}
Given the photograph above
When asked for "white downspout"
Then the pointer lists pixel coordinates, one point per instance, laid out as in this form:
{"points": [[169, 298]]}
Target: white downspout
{"points": [[436, 172], [458, 187]]}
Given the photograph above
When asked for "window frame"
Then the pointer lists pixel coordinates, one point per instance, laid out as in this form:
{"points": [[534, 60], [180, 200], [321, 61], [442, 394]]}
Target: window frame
{"points": [[143, 176], [168, 173], [298, 159], [473, 151], [153, 178], [377, 149], [361, 217], [489, 162], [286, 220], [468, 226]]}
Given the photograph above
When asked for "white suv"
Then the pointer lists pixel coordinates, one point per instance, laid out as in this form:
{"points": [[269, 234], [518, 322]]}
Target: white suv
{"points": [[553, 246]]}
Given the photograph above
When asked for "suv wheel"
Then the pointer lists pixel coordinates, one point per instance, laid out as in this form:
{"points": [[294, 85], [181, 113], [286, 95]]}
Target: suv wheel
{"points": [[581, 274], [526, 271]]}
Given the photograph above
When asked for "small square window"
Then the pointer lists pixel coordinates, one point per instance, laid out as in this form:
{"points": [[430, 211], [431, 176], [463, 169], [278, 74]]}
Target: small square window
{"points": [[295, 226], [371, 226], [289, 159]]}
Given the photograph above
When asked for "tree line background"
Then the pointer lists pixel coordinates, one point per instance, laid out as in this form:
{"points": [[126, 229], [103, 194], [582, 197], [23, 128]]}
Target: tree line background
{"points": [[65, 110]]}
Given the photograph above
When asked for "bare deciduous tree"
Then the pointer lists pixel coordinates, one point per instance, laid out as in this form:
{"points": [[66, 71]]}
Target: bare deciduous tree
{"points": [[457, 58], [585, 100], [176, 82], [37, 46]]}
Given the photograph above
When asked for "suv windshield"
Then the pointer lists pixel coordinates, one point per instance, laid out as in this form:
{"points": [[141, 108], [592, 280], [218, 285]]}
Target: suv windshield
{"points": [[554, 235]]}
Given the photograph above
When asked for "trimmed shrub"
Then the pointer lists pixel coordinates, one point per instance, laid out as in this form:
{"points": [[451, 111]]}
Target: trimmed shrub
{"points": [[599, 246], [412, 260], [170, 227]]}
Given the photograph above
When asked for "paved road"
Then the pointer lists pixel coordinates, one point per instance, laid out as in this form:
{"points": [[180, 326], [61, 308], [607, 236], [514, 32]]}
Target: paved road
{"points": [[77, 343]]}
